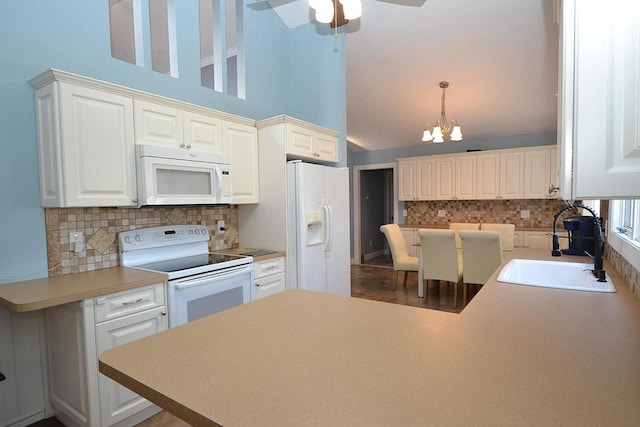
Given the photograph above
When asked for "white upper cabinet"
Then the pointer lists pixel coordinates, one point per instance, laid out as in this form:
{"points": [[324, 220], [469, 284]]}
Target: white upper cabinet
{"points": [[512, 175], [488, 176], [416, 180], [445, 178], [241, 141], [599, 103], [87, 131], [465, 182], [311, 144], [85, 145], [163, 125], [537, 173]]}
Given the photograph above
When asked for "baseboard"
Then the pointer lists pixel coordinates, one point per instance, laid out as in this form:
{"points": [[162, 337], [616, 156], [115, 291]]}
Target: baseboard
{"points": [[375, 254], [27, 420]]}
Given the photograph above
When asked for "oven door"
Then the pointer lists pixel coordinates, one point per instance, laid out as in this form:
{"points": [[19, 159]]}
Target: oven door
{"points": [[201, 295]]}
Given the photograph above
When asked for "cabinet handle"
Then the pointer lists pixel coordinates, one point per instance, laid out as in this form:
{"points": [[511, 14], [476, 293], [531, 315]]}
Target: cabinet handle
{"points": [[188, 145], [132, 302], [182, 145]]}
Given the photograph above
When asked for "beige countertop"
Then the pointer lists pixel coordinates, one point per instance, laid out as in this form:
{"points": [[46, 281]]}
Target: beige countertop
{"points": [[516, 355], [37, 294]]}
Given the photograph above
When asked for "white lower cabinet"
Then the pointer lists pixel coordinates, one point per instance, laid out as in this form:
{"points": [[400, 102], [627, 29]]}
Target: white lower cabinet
{"points": [[269, 277], [542, 240], [411, 239], [77, 333]]}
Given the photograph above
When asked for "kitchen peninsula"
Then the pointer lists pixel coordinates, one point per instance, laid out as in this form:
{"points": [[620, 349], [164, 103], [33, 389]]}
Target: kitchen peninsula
{"points": [[516, 355]]}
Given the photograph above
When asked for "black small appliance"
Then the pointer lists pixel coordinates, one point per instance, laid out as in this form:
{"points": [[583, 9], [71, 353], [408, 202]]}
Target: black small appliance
{"points": [[581, 235]]}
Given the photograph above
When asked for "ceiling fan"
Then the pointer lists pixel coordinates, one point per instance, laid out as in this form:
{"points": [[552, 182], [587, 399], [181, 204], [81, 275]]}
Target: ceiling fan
{"points": [[340, 11]]}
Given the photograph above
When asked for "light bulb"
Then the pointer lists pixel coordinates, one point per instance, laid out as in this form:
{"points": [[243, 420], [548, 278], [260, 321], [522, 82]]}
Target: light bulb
{"points": [[456, 134], [437, 133], [324, 12], [352, 9], [426, 136]]}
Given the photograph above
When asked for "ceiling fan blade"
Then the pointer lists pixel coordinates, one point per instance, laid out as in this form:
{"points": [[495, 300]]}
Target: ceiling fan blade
{"points": [[267, 4], [412, 3]]}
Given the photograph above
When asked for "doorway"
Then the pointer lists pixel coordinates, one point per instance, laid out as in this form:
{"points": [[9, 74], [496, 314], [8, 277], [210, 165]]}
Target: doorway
{"points": [[374, 205]]}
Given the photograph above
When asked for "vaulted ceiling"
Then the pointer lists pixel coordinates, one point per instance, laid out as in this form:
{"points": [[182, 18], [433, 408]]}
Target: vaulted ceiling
{"points": [[499, 56]]}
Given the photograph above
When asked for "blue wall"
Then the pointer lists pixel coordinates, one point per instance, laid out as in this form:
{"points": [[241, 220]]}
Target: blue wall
{"points": [[295, 72]]}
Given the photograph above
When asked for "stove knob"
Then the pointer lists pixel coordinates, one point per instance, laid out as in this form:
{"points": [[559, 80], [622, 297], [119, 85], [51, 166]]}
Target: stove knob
{"points": [[205, 231], [127, 239], [138, 238]]}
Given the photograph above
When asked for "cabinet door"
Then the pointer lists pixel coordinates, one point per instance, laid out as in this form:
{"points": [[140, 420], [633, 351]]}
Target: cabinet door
{"points": [[512, 175], [406, 179], [299, 141], [118, 402], [158, 125], [536, 174], [445, 178], [202, 133], [465, 177], [425, 182], [553, 191], [98, 159], [242, 143], [410, 238], [600, 99], [488, 176], [326, 147], [537, 240]]}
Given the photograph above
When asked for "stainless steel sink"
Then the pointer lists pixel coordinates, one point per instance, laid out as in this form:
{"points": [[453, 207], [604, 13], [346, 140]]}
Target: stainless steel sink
{"points": [[553, 274]]}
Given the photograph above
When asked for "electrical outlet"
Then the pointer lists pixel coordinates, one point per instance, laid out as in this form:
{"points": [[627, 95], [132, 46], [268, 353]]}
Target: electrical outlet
{"points": [[442, 213], [221, 227], [524, 214], [76, 241]]}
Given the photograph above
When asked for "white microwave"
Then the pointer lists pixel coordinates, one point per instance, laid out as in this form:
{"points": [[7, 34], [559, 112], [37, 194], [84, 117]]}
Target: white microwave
{"points": [[173, 176]]}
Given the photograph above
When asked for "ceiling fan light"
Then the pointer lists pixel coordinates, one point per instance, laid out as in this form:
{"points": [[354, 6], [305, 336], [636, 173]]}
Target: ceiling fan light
{"points": [[456, 134], [426, 136], [352, 9], [324, 12]]}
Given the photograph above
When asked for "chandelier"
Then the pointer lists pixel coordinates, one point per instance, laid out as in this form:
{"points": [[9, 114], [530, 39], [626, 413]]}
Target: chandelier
{"points": [[443, 126], [336, 12]]}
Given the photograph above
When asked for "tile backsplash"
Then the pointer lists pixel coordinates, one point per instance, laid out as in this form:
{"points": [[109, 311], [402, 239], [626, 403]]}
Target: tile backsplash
{"points": [[101, 225], [541, 212]]}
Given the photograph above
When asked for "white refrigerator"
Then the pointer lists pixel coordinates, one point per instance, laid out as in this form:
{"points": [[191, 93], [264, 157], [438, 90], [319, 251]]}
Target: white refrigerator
{"points": [[318, 245]]}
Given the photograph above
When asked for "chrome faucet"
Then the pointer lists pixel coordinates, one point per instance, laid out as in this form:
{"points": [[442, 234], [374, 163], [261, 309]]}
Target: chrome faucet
{"points": [[598, 269]]}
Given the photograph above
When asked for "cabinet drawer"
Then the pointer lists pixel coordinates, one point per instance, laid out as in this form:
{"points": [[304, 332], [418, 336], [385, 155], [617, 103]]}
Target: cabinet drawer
{"points": [[268, 267], [268, 286], [128, 302]]}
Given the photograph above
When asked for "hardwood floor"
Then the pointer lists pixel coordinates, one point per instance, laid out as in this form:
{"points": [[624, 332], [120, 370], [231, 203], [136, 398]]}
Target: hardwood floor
{"points": [[372, 280]]}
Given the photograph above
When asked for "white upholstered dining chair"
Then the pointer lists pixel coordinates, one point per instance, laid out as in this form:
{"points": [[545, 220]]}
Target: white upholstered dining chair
{"points": [[457, 226], [481, 256], [402, 261], [507, 233], [440, 258]]}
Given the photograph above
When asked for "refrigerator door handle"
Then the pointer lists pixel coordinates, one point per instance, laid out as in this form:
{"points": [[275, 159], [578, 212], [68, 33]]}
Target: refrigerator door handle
{"points": [[327, 227]]}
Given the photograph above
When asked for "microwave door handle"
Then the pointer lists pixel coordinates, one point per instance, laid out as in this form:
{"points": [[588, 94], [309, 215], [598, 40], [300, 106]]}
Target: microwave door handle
{"points": [[218, 183]]}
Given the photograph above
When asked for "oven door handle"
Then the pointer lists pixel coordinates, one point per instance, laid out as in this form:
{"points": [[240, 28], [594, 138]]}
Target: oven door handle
{"points": [[207, 277]]}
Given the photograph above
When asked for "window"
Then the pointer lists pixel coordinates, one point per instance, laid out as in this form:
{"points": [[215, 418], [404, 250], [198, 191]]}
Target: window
{"points": [[222, 46], [626, 218], [125, 25], [163, 37]]}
